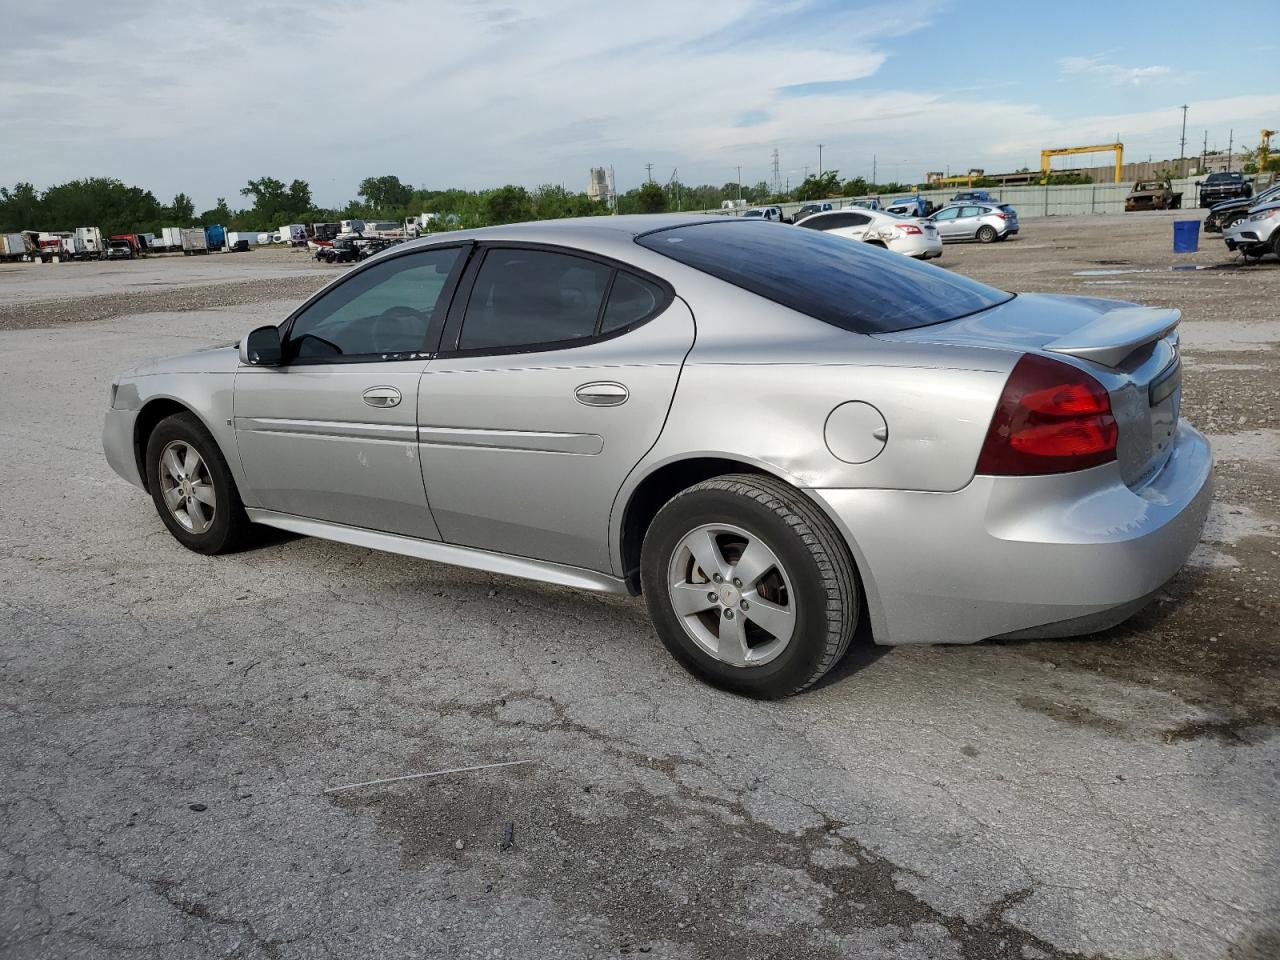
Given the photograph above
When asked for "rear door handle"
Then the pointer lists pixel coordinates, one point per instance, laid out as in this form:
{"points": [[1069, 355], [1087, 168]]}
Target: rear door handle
{"points": [[602, 393], [382, 396]]}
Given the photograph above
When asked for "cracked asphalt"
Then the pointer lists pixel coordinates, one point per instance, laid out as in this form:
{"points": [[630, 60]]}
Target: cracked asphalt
{"points": [[169, 722]]}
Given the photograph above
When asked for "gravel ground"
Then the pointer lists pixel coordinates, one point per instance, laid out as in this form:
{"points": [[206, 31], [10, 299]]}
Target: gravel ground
{"points": [[169, 722]]}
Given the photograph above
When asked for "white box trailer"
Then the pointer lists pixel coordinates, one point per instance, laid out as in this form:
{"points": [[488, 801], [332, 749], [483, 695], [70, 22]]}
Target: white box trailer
{"points": [[170, 238], [13, 246], [251, 237], [294, 234], [194, 242], [93, 241]]}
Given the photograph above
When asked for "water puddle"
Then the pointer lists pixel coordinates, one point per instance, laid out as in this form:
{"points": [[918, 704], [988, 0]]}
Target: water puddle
{"points": [[1176, 268]]}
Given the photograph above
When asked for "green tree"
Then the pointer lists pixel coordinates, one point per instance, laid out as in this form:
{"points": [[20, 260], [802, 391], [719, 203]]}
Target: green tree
{"points": [[220, 213], [182, 209], [274, 203], [856, 187], [552, 202], [818, 187], [509, 204], [651, 198], [20, 208], [385, 195]]}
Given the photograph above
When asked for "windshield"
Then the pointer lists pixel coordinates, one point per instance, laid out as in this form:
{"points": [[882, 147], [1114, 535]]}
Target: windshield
{"points": [[1223, 177], [846, 284]]}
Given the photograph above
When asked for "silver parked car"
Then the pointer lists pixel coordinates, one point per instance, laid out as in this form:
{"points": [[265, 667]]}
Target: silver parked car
{"points": [[1257, 234], [774, 434], [984, 222]]}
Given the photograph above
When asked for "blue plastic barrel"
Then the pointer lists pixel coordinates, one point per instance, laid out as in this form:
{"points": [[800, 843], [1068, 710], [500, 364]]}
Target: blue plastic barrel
{"points": [[1186, 236]]}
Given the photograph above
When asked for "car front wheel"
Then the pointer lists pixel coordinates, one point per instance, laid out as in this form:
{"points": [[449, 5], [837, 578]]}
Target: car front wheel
{"points": [[192, 486], [749, 585]]}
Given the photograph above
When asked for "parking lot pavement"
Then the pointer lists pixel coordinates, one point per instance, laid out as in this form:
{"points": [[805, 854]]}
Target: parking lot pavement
{"points": [[169, 723]]}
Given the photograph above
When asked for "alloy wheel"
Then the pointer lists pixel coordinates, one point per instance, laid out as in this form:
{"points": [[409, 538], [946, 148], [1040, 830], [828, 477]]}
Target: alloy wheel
{"points": [[732, 595], [187, 486]]}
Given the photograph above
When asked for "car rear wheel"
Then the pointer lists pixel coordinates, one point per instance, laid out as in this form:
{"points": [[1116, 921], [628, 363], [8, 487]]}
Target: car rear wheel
{"points": [[749, 585], [192, 487], [987, 233]]}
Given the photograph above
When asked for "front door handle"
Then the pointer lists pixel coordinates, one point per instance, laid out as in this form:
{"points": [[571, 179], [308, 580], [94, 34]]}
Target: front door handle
{"points": [[382, 397], [602, 393]]}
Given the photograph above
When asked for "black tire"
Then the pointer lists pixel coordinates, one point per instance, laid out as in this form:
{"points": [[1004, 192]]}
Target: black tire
{"points": [[987, 234], [1177, 203], [824, 596], [230, 528]]}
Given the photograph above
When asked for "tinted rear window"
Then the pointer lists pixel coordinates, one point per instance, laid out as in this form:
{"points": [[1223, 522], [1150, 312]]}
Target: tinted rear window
{"points": [[840, 281]]}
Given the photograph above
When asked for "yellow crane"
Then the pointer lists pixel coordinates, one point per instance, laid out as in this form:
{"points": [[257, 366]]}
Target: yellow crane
{"points": [[1264, 150], [1047, 155]]}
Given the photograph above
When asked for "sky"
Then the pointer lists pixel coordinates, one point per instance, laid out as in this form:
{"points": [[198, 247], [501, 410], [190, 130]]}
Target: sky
{"points": [[200, 96]]}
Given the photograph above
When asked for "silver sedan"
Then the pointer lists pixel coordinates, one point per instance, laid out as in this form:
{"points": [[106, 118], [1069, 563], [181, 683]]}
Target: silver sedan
{"points": [[984, 222], [775, 435]]}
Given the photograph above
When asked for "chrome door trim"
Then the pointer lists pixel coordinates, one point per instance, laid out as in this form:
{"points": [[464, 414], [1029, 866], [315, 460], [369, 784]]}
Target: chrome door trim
{"points": [[602, 393], [512, 566], [534, 441], [340, 429], [382, 397]]}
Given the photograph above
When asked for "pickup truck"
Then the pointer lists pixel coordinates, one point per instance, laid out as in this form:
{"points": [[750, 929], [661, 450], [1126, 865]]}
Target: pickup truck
{"points": [[1223, 186], [973, 196], [1152, 195]]}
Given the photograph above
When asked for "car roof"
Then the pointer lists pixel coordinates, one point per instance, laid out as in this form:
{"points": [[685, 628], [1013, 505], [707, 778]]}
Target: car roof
{"points": [[571, 231]]}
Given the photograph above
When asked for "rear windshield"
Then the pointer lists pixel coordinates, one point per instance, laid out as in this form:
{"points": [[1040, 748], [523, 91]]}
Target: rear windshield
{"points": [[837, 280]]}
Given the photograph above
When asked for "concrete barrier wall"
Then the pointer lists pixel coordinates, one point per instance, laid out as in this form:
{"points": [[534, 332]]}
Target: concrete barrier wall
{"points": [[1047, 201]]}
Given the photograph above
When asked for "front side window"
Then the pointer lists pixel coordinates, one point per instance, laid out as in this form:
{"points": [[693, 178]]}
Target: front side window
{"points": [[382, 312], [950, 213]]}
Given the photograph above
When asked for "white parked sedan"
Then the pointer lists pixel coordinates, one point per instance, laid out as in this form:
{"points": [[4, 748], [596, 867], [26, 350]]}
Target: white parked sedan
{"points": [[905, 235]]}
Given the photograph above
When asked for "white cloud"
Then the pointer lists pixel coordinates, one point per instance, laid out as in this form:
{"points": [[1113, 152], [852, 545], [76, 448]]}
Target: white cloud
{"points": [[1112, 73], [210, 95]]}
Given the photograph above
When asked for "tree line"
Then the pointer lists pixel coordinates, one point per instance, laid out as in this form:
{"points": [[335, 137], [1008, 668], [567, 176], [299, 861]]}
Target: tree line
{"points": [[268, 203]]}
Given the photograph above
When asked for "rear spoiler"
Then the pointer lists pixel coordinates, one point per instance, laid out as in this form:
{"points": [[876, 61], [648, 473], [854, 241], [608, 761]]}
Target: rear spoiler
{"points": [[1116, 334]]}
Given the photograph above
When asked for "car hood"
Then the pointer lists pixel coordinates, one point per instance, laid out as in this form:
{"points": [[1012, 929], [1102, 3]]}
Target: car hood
{"points": [[220, 358]]}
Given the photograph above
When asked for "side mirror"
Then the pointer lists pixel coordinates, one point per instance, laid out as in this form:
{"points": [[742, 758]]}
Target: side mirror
{"points": [[262, 348]]}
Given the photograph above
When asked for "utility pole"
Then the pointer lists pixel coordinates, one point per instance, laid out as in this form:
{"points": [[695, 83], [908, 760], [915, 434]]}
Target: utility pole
{"points": [[873, 168], [739, 181], [777, 179], [1231, 139], [1182, 145], [648, 172], [820, 159], [1204, 151]]}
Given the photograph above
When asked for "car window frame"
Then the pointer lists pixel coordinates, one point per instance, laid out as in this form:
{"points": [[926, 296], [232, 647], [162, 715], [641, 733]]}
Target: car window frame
{"points": [[452, 331], [434, 328]]}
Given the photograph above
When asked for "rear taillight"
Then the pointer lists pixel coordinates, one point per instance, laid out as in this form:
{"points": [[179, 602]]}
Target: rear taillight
{"points": [[1003, 216], [908, 228], [1051, 418]]}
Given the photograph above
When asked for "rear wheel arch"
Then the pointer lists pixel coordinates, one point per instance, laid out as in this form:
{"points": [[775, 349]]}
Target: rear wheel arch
{"points": [[656, 489]]}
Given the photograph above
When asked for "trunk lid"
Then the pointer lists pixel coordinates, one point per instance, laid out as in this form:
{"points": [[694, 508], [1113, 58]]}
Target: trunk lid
{"points": [[1131, 350]]}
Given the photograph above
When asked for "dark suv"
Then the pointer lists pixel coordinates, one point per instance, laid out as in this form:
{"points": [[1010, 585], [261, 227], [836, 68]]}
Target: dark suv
{"points": [[1223, 186]]}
